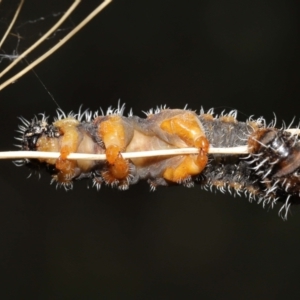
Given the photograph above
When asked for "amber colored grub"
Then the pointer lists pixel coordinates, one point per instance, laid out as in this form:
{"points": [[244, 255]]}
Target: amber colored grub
{"points": [[188, 167], [186, 126], [112, 132]]}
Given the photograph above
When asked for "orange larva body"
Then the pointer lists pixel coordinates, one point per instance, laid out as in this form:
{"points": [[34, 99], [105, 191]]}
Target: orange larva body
{"points": [[115, 133]]}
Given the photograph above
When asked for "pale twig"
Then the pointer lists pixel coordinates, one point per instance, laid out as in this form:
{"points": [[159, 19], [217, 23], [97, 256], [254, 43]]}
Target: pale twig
{"points": [[11, 24], [58, 45], [44, 37], [127, 155], [293, 131]]}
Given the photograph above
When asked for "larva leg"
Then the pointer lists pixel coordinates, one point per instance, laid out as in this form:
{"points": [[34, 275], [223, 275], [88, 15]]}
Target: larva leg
{"points": [[69, 144], [115, 132], [188, 128]]}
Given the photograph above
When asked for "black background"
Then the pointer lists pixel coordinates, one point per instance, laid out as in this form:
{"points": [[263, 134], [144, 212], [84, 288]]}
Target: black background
{"points": [[175, 242]]}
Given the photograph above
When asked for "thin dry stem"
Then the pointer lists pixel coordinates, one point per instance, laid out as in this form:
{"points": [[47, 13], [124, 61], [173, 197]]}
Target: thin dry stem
{"points": [[58, 45], [126, 155], [11, 23], [43, 38], [293, 131]]}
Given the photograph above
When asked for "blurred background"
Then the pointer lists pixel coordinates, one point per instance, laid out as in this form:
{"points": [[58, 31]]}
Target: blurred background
{"points": [[175, 242]]}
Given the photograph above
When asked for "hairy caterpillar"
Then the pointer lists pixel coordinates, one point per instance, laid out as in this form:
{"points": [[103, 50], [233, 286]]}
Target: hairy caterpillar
{"points": [[269, 174]]}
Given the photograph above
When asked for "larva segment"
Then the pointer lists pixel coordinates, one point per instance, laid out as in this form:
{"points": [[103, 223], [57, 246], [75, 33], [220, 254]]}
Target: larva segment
{"points": [[187, 127], [70, 135], [269, 174], [65, 136], [116, 132], [227, 172], [68, 144]]}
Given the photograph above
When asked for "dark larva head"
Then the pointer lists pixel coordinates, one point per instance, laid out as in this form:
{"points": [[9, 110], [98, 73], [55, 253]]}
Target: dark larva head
{"points": [[32, 131]]}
